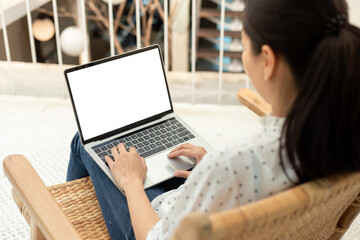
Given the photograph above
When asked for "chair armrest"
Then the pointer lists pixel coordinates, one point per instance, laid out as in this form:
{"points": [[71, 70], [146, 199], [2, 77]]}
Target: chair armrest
{"points": [[195, 226], [44, 210], [254, 102]]}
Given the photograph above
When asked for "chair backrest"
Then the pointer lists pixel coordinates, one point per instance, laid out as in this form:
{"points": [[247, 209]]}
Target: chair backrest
{"points": [[317, 210]]}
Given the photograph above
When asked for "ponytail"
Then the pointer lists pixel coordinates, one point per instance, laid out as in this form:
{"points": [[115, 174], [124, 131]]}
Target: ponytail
{"points": [[321, 134], [322, 129]]}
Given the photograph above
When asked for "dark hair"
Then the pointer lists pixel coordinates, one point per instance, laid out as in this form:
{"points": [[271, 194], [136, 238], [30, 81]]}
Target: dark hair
{"points": [[321, 134]]}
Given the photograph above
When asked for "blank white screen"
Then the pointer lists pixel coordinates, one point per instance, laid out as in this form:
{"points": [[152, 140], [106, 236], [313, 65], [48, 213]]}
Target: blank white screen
{"points": [[120, 92]]}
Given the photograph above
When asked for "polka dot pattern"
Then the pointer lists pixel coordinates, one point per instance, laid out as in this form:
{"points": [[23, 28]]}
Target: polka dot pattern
{"points": [[241, 174]]}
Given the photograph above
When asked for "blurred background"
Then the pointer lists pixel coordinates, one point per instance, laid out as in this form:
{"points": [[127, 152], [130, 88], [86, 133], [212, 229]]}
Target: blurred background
{"points": [[39, 39]]}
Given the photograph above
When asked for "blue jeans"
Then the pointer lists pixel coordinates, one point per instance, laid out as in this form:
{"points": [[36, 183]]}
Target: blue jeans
{"points": [[112, 202]]}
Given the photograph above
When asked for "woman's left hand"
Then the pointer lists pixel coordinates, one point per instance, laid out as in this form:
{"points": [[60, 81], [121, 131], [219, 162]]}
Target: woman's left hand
{"points": [[127, 167]]}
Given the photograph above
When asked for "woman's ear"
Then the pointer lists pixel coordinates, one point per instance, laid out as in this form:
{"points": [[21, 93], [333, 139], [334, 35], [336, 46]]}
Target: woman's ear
{"points": [[269, 61]]}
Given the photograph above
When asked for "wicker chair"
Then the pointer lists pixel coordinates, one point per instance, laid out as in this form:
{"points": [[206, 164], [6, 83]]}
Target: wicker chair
{"points": [[321, 209]]}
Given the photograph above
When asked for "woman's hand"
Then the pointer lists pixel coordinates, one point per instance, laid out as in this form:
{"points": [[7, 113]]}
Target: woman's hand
{"points": [[127, 167], [187, 150], [129, 171]]}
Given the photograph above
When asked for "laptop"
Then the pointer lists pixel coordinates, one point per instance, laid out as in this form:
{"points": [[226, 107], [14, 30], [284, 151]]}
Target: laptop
{"points": [[126, 99]]}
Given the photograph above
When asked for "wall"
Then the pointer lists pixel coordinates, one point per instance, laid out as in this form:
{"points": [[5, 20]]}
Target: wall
{"points": [[354, 9], [19, 42]]}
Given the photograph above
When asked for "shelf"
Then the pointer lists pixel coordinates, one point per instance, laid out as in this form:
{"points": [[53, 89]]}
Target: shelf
{"points": [[211, 53], [209, 32], [211, 12]]}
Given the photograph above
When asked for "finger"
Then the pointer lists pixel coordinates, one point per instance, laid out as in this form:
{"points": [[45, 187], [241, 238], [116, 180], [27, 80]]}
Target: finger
{"points": [[187, 146], [132, 149], [182, 146], [174, 153], [109, 161], [182, 174], [121, 148], [175, 149], [115, 152], [182, 152], [143, 162]]}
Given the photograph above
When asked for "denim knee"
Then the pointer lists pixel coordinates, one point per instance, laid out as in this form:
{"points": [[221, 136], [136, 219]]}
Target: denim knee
{"points": [[74, 146]]}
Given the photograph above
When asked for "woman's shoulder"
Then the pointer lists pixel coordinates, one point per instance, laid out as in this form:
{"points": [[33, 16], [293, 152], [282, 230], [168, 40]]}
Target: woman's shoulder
{"points": [[265, 141], [255, 150]]}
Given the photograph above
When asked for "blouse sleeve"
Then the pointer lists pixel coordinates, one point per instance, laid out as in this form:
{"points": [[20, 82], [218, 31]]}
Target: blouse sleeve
{"points": [[249, 171], [211, 187]]}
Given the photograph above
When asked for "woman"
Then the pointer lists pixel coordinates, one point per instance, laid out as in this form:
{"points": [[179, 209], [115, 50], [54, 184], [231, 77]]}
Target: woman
{"points": [[302, 58]]}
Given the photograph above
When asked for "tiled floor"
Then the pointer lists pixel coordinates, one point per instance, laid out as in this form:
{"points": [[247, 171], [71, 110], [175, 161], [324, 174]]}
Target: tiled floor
{"points": [[42, 128]]}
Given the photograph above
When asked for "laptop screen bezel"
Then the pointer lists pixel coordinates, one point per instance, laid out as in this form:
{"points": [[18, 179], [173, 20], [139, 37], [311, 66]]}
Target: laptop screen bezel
{"points": [[127, 127]]}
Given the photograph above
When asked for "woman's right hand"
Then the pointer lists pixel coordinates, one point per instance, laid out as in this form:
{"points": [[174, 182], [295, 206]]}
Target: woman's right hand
{"points": [[187, 150]]}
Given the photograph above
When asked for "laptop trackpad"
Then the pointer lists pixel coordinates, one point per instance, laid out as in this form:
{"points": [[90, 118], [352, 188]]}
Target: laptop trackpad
{"points": [[160, 167], [181, 163]]}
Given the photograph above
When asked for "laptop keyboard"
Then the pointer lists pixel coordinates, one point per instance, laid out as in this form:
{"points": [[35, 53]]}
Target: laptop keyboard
{"points": [[149, 141]]}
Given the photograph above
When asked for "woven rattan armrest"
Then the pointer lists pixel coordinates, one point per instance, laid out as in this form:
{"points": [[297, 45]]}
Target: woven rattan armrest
{"points": [[78, 200], [310, 211], [47, 219]]}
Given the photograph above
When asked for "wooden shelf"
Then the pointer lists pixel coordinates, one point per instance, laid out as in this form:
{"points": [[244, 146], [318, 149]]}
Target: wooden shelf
{"points": [[210, 53], [206, 31], [211, 12], [209, 32]]}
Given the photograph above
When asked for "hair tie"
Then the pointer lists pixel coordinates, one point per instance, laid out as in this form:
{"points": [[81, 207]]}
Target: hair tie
{"points": [[336, 23]]}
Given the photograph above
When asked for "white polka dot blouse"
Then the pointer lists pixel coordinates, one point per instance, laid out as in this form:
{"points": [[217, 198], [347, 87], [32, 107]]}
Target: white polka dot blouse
{"points": [[224, 179]]}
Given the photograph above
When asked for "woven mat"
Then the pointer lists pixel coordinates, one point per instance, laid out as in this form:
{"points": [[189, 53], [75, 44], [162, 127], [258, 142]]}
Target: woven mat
{"points": [[79, 203]]}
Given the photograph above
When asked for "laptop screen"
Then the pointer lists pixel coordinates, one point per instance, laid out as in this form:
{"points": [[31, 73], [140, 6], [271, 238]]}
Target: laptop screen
{"points": [[118, 92]]}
